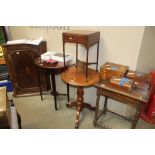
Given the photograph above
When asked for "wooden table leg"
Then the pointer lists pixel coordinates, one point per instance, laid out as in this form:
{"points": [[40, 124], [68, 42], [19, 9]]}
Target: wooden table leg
{"points": [[87, 63], [138, 111], [54, 90], [39, 83], [105, 104], [68, 92], [97, 107], [79, 104], [97, 56], [80, 94]]}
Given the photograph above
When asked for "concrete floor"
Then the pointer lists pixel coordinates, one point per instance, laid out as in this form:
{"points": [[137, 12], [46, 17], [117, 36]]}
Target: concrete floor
{"points": [[37, 114]]}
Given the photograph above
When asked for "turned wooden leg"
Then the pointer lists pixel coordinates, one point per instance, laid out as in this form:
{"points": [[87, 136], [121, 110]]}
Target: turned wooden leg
{"points": [[135, 120], [87, 63], [80, 94], [54, 90], [97, 56], [97, 107], [39, 83], [72, 104], [105, 104], [68, 92]]}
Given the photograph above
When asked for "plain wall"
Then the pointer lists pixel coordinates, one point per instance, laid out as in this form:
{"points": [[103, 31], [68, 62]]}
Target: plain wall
{"points": [[117, 44], [146, 61]]}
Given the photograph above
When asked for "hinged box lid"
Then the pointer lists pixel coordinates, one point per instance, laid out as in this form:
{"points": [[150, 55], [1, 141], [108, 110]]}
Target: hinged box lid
{"points": [[108, 70]]}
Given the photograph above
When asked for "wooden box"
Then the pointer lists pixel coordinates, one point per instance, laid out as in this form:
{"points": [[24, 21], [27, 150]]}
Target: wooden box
{"points": [[122, 83], [138, 76], [145, 85], [108, 70]]}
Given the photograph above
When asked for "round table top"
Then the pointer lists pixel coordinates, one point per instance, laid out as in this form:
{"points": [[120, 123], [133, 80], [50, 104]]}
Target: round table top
{"points": [[46, 65], [76, 76], [55, 68]]}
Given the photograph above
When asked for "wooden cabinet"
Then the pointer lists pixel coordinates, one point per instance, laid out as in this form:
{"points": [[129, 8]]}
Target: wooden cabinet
{"points": [[22, 70]]}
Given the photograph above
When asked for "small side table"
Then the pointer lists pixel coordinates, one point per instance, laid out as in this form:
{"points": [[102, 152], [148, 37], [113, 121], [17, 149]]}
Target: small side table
{"points": [[85, 38], [76, 76], [51, 69]]}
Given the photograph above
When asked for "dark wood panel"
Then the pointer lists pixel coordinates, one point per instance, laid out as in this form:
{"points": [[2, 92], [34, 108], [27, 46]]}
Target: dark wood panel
{"points": [[23, 72]]}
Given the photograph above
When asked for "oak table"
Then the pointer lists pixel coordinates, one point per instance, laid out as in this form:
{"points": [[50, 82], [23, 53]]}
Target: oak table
{"points": [[76, 76], [51, 69], [136, 98]]}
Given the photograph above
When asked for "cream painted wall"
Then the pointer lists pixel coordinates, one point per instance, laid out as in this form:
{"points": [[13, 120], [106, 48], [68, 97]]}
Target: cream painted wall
{"points": [[117, 44], [146, 57]]}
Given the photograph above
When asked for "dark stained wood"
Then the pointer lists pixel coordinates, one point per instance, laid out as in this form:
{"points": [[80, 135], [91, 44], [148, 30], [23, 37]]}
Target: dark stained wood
{"points": [[76, 76], [22, 70], [136, 98], [52, 70], [87, 39]]}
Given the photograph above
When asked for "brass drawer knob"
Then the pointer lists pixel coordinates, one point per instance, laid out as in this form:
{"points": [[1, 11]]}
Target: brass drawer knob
{"points": [[70, 38]]}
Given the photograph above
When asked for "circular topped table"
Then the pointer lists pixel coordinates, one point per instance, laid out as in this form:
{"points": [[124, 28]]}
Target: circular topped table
{"points": [[52, 69], [76, 76]]}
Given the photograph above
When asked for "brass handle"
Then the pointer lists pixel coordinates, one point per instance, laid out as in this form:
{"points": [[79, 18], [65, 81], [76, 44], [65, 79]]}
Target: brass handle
{"points": [[70, 38]]}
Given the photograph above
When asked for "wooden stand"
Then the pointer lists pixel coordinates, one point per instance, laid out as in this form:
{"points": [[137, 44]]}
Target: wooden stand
{"points": [[76, 76], [87, 39], [52, 70]]}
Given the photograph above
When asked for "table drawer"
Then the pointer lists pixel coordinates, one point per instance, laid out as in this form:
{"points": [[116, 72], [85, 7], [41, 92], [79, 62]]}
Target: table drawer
{"points": [[75, 39], [119, 97]]}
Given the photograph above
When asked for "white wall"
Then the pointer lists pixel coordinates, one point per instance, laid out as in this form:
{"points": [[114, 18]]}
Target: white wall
{"points": [[146, 59], [117, 44]]}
